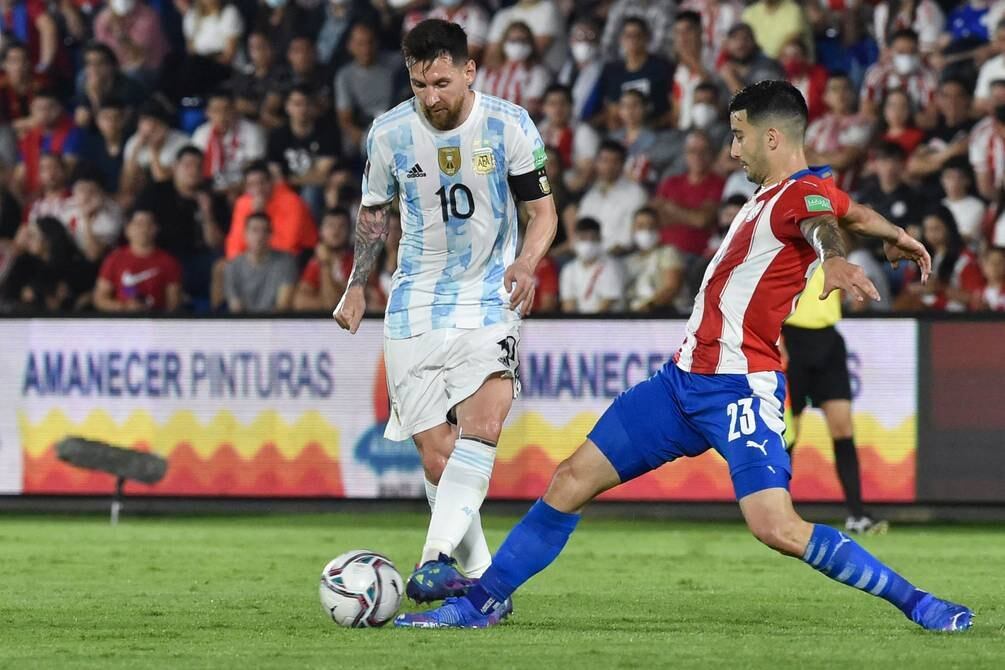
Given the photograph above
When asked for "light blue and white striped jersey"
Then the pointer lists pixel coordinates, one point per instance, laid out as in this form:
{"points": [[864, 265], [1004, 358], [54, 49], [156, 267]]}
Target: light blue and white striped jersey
{"points": [[458, 216]]}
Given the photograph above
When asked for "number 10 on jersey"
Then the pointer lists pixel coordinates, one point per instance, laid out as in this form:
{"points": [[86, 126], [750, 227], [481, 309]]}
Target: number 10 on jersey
{"points": [[451, 205]]}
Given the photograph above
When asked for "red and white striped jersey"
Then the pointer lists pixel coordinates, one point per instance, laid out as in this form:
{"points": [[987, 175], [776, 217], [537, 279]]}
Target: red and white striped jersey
{"points": [[987, 151], [754, 280], [515, 82], [920, 85]]}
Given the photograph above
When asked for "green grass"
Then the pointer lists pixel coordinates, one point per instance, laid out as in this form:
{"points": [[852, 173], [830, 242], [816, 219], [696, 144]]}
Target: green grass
{"points": [[241, 592]]}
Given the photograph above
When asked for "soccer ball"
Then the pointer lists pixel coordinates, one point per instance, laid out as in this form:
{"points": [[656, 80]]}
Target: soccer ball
{"points": [[361, 589]]}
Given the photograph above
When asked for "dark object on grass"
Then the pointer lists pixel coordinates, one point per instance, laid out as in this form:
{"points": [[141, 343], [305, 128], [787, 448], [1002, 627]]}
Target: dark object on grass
{"points": [[122, 463]]}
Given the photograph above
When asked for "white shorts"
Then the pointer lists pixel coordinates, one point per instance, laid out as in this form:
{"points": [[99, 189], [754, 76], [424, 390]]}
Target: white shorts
{"points": [[429, 374]]}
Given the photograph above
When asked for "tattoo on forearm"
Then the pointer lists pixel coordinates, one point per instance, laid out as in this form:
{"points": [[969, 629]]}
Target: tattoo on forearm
{"points": [[825, 235], [371, 231]]}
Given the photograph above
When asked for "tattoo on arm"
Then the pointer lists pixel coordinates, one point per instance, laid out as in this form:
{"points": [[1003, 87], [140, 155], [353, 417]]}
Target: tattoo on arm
{"points": [[824, 234], [371, 231]]}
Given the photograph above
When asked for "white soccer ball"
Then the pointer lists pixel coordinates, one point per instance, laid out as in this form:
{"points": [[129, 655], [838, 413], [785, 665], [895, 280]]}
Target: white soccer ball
{"points": [[361, 589]]}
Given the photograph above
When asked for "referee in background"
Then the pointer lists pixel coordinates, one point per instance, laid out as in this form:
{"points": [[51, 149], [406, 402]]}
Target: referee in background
{"points": [[818, 371]]}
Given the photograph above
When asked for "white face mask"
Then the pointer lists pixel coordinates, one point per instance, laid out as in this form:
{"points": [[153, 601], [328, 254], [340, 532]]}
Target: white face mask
{"points": [[646, 239], [586, 250], [583, 52], [449, 3], [275, 4], [905, 64], [516, 51], [703, 115], [122, 7]]}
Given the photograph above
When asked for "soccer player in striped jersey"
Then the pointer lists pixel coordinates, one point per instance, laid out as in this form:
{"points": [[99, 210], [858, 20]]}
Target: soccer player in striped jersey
{"points": [[723, 390], [457, 162]]}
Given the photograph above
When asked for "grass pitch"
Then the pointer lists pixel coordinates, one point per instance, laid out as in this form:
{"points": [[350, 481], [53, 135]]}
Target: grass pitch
{"points": [[241, 592]]}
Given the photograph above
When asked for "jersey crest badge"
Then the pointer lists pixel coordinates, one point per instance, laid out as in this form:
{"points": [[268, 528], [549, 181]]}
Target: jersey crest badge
{"points": [[484, 161], [449, 159]]}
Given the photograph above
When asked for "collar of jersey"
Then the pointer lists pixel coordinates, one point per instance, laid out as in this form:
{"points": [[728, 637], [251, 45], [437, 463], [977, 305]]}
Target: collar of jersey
{"points": [[822, 171]]}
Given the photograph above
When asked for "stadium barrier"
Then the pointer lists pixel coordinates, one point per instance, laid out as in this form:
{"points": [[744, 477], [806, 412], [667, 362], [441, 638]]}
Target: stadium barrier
{"points": [[296, 408]]}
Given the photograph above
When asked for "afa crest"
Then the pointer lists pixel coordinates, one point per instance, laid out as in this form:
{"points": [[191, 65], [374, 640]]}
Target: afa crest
{"points": [[450, 160], [484, 161]]}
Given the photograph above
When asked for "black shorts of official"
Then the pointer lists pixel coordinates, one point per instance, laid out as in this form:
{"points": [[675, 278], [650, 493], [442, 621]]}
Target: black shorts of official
{"points": [[818, 366]]}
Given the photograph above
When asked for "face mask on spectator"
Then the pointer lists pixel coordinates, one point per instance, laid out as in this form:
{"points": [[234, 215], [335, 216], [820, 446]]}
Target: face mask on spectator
{"points": [[275, 4], [449, 3], [516, 51], [122, 7], [583, 52], [646, 238], [703, 115], [586, 250], [905, 63]]}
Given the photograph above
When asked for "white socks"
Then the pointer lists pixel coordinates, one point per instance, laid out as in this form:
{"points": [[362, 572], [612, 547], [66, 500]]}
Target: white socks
{"points": [[456, 529]]}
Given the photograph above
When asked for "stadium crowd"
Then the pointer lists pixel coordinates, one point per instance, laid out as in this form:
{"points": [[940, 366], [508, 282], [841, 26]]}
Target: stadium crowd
{"points": [[205, 155]]}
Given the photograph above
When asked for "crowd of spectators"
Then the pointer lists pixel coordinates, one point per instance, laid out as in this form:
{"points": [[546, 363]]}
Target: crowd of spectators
{"points": [[205, 155]]}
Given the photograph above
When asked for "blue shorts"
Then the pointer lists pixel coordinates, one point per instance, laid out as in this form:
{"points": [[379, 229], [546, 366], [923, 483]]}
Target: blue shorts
{"points": [[676, 413]]}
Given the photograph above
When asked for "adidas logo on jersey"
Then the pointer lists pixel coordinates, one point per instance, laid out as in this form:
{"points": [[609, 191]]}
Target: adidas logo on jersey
{"points": [[415, 172]]}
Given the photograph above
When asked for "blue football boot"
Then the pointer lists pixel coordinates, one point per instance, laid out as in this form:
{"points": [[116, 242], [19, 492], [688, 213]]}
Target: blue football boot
{"points": [[436, 580], [933, 613], [454, 613]]}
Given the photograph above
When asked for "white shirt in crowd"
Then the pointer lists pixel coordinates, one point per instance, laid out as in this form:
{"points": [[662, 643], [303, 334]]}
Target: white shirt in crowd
{"points": [[210, 34], [590, 285], [545, 20], [168, 154], [613, 207], [969, 215], [106, 224], [227, 155], [992, 70]]}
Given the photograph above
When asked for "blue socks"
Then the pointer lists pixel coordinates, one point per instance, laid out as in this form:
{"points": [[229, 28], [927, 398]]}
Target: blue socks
{"points": [[844, 560], [529, 548]]}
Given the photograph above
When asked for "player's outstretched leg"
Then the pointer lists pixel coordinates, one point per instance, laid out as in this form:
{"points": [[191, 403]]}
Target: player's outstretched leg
{"points": [[533, 544], [461, 492], [772, 519]]}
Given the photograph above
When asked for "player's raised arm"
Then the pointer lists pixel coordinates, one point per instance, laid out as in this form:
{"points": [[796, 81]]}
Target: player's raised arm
{"points": [[824, 233], [897, 244]]}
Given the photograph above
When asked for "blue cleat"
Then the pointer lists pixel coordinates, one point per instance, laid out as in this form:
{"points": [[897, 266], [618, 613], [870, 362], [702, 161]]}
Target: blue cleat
{"points": [[436, 580], [933, 613], [453, 613]]}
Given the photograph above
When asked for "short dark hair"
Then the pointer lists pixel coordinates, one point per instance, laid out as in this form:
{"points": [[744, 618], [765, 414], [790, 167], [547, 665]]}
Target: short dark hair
{"points": [[634, 92], [86, 172], [50, 93], [647, 211], [112, 102], [707, 85], [961, 163], [15, 45], [615, 147], [101, 48], [637, 21], [891, 150], [959, 81], [303, 89], [903, 33], [997, 82], [588, 224], [257, 166], [736, 200], [158, 107], [690, 16], [435, 38], [841, 74], [563, 90], [259, 214], [189, 150], [772, 99], [337, 211], [142, 208], [220, 94]]}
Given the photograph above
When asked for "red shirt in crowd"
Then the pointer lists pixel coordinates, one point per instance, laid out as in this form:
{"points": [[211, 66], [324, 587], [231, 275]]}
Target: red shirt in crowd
{"points": [[340, 269], [142, 278], [682, 192], [546, 282]]}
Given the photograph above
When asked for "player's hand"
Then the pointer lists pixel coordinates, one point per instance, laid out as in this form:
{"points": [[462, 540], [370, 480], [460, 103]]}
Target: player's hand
{"points": [[908, 248], [519, 281], [351, 307], [840, 274]]}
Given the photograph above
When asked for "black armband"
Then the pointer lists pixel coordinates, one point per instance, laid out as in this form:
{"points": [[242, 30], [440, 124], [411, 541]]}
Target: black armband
{"points": [[530, 186]]}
